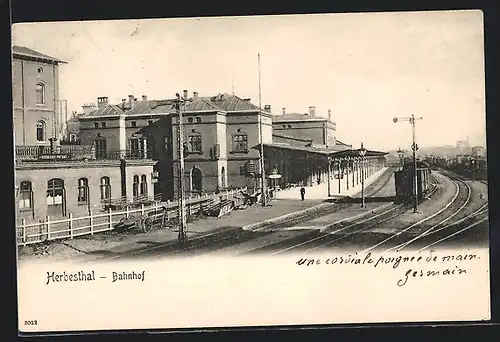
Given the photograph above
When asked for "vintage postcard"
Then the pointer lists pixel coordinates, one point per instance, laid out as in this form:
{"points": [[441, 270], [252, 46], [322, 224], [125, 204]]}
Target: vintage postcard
{"points": [[251, 171]]}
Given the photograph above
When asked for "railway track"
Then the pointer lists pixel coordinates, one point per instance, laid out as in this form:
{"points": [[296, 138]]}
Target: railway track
{"points": [[465, 216], [350, 227], [213, 241], [440, 221]]}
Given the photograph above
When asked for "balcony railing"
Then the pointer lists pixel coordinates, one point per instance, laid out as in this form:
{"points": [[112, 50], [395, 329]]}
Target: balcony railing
{"points": [[63, 152], [75, 153], [125, 154]]}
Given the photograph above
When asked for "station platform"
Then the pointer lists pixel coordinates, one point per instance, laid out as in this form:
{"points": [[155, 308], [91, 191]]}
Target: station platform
{"points": [[320, 191]]}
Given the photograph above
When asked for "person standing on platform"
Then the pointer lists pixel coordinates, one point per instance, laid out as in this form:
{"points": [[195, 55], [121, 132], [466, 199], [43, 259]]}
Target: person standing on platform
{"points": [[302, 193]]}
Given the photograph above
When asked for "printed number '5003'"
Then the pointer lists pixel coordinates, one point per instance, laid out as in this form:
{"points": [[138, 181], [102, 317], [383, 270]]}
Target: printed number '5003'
{"points": [[30, 322]]}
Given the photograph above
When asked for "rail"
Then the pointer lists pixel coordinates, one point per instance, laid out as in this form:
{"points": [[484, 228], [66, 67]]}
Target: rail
{"points": [[48, 230]]}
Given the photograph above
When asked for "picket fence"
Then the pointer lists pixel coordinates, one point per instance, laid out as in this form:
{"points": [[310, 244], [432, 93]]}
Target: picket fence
{"points": [[93, 223]]}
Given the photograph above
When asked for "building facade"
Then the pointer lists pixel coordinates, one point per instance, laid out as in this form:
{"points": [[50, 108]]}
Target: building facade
{"points": [[54, 179], [35, 88], [219, 132], [308, 129]]}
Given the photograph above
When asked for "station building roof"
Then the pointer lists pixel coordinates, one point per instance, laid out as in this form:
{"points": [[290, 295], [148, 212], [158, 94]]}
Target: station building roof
{"points": [[219, 103], [22, 51]]}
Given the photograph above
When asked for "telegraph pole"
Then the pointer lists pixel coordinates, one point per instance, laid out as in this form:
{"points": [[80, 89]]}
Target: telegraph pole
{"points": [[414, 148], [182, 238], [262, 170]]}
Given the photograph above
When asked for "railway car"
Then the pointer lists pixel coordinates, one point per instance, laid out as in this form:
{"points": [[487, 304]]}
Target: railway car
{"points": [[404, 182]]}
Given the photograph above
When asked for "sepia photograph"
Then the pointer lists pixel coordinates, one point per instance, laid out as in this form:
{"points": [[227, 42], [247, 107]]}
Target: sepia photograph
{"points": [[238, 162]]}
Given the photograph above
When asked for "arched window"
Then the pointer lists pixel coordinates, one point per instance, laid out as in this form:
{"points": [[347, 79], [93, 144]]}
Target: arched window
{"points": [[105, 188], [40, 93], [135, 187], [83, 190], [25, 195], [40, 131], [55, 191], [144, 185]]}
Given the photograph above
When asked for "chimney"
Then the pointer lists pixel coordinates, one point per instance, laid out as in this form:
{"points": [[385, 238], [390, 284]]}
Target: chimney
{"points": [[195, 95], [102, 101], [144, 98], [284, 111], [131, 101], [312, 111], [329, 115], [267, 108]]}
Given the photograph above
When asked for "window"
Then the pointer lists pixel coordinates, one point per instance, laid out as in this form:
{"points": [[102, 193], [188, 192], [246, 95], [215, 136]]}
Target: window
{"points": [[72, 137], [103, 124], [198, 120], [289, 126], [194, 143], [55, 191], [96, 124], [133, 123], [40, 94], [25, 196], [135, 187], [240, 143], [40, 131], [40, 70], [190, 120], [105, 188], [83, 190], [284, 126], [144, 185], [150, 122]]}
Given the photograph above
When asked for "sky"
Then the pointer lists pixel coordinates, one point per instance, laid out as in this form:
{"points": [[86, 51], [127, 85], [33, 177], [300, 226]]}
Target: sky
{"points": [[367, 68]]}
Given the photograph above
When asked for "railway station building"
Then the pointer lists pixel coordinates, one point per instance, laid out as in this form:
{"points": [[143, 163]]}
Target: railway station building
{"points": [[221, 134]]}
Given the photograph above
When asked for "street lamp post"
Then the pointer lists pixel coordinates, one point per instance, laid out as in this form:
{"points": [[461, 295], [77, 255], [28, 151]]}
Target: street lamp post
{"points": [[362, 152], [414, 148], [339, 173], [347, 161], [182, 237], [329, 175]]}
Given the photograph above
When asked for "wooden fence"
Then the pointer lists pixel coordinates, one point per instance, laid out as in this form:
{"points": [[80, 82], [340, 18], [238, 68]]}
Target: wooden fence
{"points": [[71, 227]]}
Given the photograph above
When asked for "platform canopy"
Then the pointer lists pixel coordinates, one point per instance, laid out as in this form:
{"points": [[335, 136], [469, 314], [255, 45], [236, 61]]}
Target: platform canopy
{"points": [[355, 153], [333, 153]]}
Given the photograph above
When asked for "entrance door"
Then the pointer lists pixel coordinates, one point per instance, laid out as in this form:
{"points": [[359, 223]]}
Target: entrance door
{"points": [[101, 148], [196, 179], [223, 177]]}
